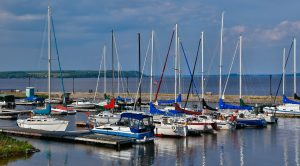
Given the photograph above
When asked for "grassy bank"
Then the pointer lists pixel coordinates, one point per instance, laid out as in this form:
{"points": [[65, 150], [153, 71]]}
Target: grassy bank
{"points": [[10, 147]]}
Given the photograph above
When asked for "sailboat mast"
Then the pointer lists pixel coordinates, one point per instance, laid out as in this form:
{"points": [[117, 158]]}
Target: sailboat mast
{"points": [[221, 54], [112, 63], [140, 88], [240, 67], [179, 67], [202, 68], [104, 66], [49, 53], [295, 70], [175, 65], [151, 67], [283, 72]]}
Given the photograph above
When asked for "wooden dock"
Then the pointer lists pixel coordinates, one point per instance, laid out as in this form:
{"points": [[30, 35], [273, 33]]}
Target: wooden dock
{"points": [[82, 136], [11, 114]]}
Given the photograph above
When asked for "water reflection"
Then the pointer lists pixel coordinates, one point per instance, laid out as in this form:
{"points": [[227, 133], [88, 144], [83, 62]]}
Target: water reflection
{"points": [[274, 145]]}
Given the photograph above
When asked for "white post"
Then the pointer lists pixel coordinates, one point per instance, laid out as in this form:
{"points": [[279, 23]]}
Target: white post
{"points": [[151, 67], [221, 54], [49, 53], [295, 70], [283, 72], [240, 67], [104, 66], [202, 68], [175, 64]]}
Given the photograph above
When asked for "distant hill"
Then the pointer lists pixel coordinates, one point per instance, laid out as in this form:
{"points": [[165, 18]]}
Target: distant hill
{"points": [[66, 74]]}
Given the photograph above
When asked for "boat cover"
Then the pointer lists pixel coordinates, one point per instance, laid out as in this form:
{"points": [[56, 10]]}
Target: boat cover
{"points": [[223, 105], [206, 106], [285, 100], [134, 116], [156, 111], [119, 98], [45, 111], [160, 102]]}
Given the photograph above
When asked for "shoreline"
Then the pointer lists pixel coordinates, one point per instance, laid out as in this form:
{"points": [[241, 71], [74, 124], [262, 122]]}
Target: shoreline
{"points": [[249, 99], [11, 147]]}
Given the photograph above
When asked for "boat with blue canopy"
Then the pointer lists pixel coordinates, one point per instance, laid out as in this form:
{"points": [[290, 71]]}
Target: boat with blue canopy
{"points": [[132, 125]]}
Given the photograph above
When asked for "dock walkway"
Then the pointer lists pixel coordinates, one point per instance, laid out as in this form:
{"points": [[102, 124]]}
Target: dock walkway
{"points": [[82, 136]]}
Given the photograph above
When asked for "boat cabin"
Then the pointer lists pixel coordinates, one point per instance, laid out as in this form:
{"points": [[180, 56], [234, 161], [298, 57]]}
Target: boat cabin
{"points": [[7, 101], [136, 122]]}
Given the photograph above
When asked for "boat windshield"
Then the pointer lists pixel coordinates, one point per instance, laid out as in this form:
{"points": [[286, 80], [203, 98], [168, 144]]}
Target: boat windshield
{"points": [[136, 123]]}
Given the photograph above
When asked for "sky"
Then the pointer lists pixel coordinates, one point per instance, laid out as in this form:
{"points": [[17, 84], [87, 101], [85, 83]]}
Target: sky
{"points": [[83, 27]]}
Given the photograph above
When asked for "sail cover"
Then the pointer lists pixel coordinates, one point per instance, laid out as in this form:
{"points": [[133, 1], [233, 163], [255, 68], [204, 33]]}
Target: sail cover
{"points": [[296, 96], [119, 98], [45, 111], [206, 106], [223, 105], [160, 102], [156, 111], [285, 100]]}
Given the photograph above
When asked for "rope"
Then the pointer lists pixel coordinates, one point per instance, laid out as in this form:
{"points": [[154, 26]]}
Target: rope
{"points": [[230, 68], [60, 70]]}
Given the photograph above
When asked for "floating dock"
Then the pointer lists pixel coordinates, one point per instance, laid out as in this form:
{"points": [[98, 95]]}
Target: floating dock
{"points": [[11, 114], [82, 136]]}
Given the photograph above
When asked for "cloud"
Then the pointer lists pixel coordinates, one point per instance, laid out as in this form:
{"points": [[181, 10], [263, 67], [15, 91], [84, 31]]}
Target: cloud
{"points": [[6, 16], [280, 31]]}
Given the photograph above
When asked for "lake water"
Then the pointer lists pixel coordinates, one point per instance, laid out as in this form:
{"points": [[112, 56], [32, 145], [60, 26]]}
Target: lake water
{"points": [[252, 85], [275, 145]]}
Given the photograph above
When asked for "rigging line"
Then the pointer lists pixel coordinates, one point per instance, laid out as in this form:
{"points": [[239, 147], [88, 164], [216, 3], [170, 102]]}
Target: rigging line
{"points": [[186, 60], [230, 68], [141, 78], [165, 64], [119, 65], [192, 79], [96, 90], [43, 43], [282, 74], [60, 69]]}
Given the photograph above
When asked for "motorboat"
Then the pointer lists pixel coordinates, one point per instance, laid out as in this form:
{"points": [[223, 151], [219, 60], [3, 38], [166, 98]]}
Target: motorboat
{"points": [[132, 125]]}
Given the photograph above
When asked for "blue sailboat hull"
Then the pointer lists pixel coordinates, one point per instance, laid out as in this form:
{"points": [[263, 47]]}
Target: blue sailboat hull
{"points": [[259, 123]]}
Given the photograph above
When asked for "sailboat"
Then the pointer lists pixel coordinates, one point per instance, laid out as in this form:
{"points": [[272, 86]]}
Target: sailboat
{"points": [[242, 112], [41, 119], [289, 107]]}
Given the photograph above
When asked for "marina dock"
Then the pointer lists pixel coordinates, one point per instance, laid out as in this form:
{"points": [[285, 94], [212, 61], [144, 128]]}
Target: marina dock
{"points": [[82, 136]]}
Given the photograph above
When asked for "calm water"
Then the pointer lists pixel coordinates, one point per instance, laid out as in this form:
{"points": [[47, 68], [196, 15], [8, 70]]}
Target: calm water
{"points": [[274, 145], [252, 85]]}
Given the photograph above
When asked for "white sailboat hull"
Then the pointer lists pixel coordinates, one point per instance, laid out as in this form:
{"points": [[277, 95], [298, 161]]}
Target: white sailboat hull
{"points": [[170, 130], [48, 124]]}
